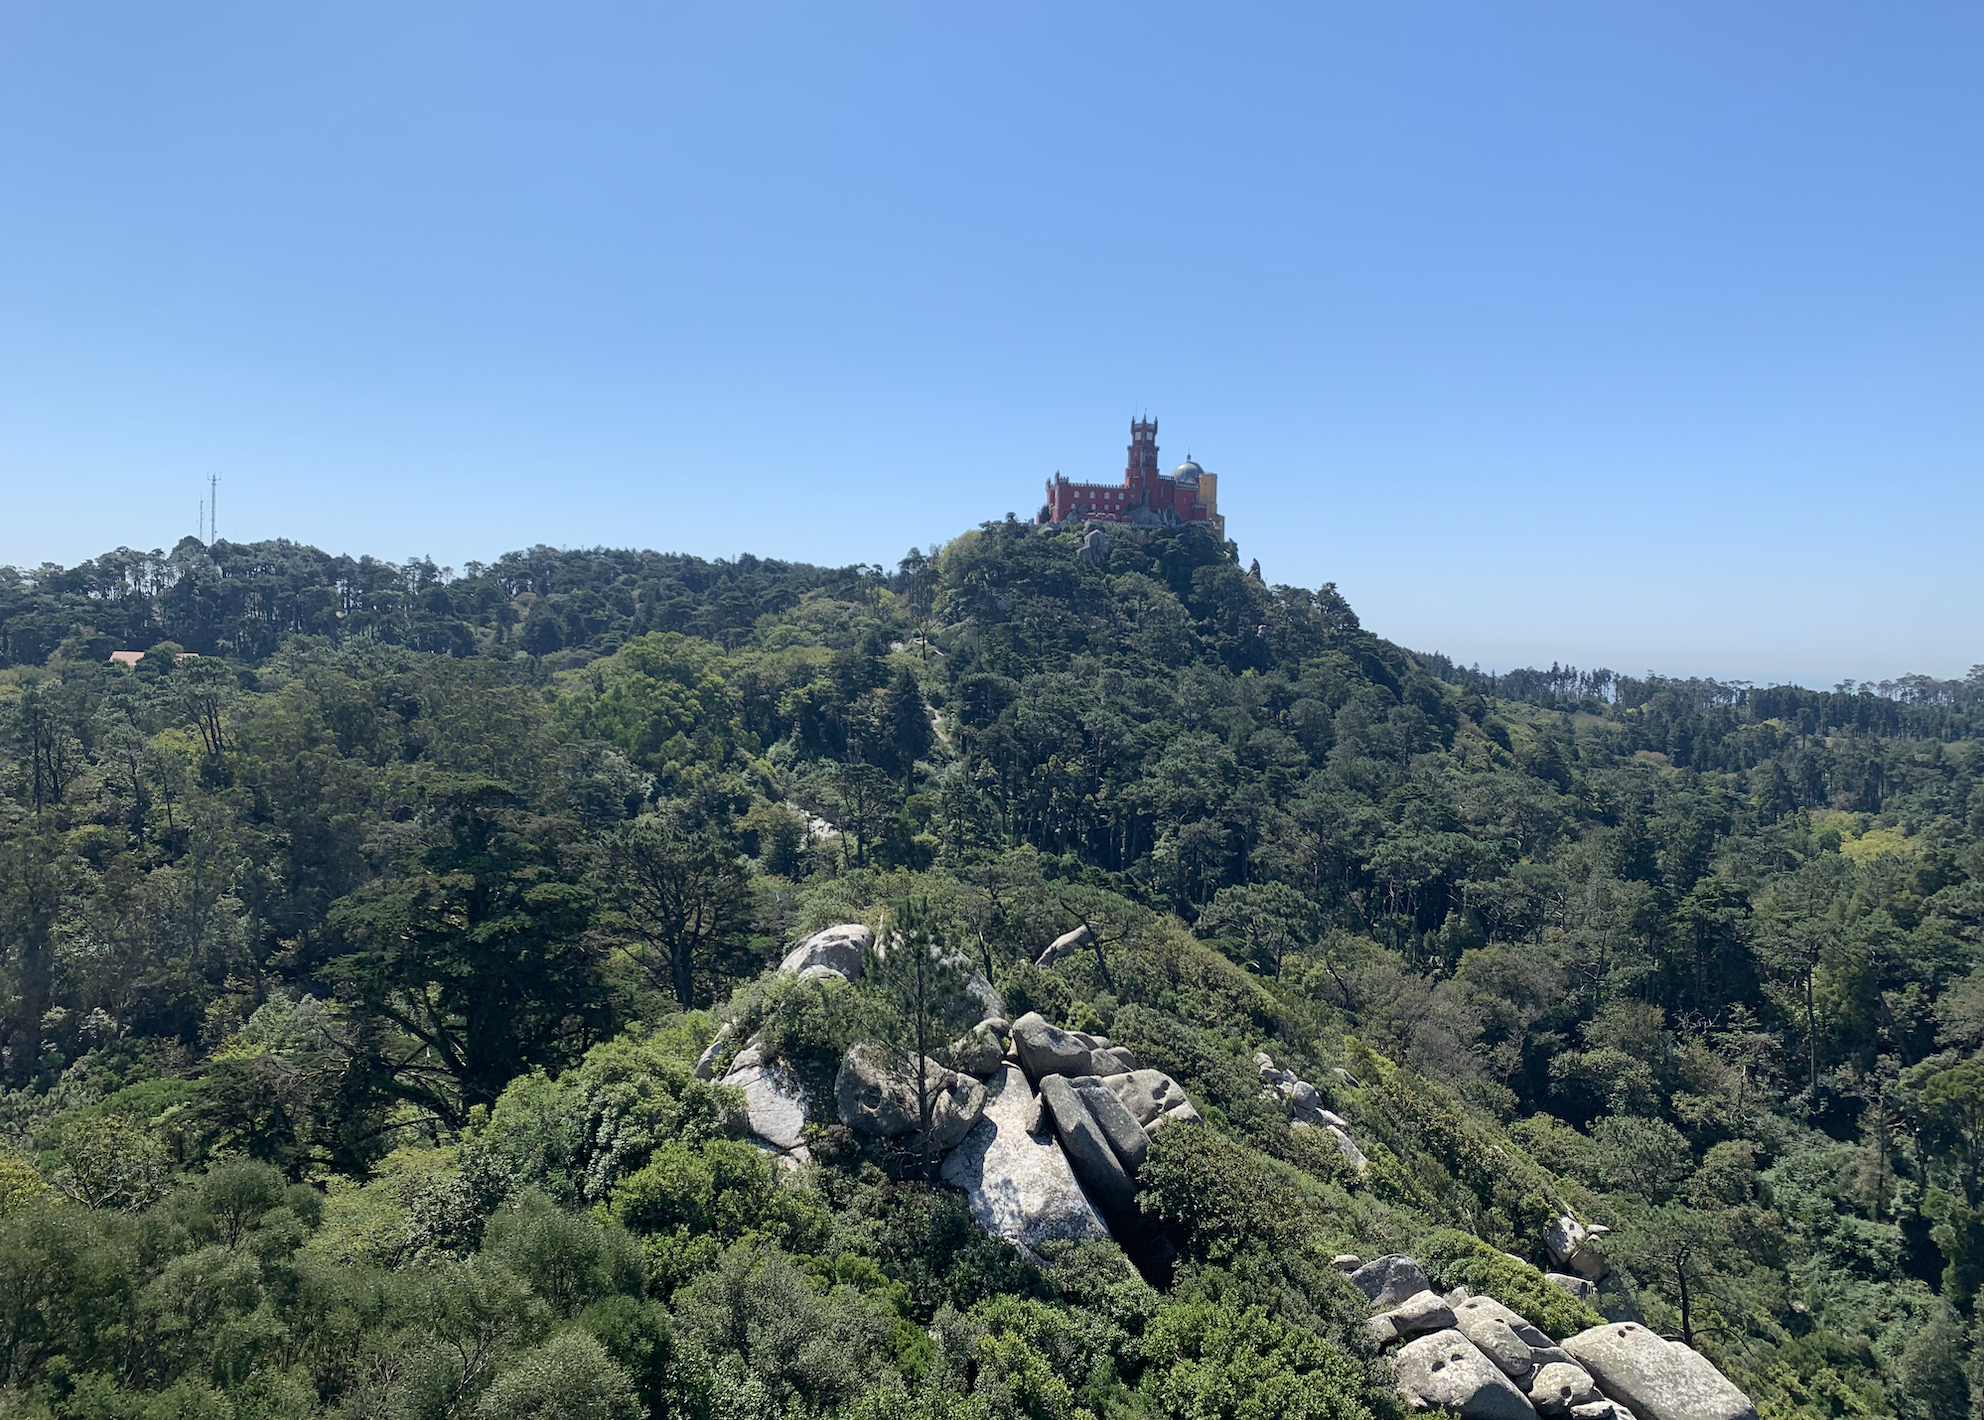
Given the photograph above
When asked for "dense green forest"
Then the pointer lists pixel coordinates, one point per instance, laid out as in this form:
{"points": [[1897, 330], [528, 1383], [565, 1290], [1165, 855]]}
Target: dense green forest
{"points": [[358, 943]]}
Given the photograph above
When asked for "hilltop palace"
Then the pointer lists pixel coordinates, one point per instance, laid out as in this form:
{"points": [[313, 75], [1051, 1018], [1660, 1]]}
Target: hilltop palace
{"points": [[1145, 498]]}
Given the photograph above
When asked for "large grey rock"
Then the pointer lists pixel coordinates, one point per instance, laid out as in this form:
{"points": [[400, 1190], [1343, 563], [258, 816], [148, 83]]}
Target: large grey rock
{"points": [[1499, 1334], [1559, 1386], [775, 1100], [1444, 1371], [1654, 1378], [1562, 1238], [1018, 1184], [1065, 946], [1147, 1094], [1389, 1280], [979, 1051], [881, 1102], [838, 949], [1046, 1049], [1416, 1315], [1581, 1288], [1083, 1140], [1347, 1147], [1125, 1135]]}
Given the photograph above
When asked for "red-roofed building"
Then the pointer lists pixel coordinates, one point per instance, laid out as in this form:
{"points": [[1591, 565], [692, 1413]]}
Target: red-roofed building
{"points": [[1145, 497]]}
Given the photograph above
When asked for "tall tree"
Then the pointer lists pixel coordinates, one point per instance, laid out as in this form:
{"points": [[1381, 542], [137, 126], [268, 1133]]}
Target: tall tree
{"points": [[680, 900]]}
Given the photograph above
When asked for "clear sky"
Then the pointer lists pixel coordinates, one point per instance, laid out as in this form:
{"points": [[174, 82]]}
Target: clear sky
{"points": [[1646, 335]]}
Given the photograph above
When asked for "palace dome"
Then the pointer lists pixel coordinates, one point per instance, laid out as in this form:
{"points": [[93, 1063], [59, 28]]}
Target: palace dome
{"points": [[1186, 472]]}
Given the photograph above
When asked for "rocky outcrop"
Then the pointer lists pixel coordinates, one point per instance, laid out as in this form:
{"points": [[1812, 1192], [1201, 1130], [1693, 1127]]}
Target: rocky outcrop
{"points": [[1567, 1241], [1490, 1357], [881, 1102], [1086, 1144], [1302, 1103], [1389, 1280], [1444, 1372], [1654, 1378], [838, 949], [706, 1062], [1018, 1184]]}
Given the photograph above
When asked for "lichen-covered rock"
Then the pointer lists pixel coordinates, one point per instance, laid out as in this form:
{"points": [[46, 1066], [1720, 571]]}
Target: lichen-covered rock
{"points": [[1655, 1378], [1559, 1386], [1083, 1140], [881, 1102], [1045, 1049], [1562, 1238], [1389, 1280], [1018, 1183], [1346, 1262], [1444, 1371], [838, 949]]}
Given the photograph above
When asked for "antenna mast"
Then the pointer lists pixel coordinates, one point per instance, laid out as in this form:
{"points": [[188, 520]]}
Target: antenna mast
{"points": [[213, 507]]}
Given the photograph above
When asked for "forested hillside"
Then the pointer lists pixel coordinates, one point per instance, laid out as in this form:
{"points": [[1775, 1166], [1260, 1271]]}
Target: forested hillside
{"points": [[358, 945]]}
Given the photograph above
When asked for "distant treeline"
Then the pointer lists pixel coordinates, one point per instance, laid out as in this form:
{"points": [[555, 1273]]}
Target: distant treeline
{"points": [[241, 599], [1917, 706]]}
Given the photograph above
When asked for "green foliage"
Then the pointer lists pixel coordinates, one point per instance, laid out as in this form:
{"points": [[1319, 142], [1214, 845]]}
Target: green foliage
{"points": [[1456, 1259], [352, 980]]}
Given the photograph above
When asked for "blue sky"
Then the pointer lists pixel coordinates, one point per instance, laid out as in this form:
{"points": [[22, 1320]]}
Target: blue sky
{"points": [[1628, 334]]}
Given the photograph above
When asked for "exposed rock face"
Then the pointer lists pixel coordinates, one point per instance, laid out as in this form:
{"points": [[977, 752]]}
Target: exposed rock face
{"points": [[1555, 1388], [1444, 1371], [838, 949], [1654, 1378], [881, 1102], [1018, 1184], [1389, 1280], [776, 1102], [1088, 1150], [1065, 946], [1500, 1335], [1046, 1049]]}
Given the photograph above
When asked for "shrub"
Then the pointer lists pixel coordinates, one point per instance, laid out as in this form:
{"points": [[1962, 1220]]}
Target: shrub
{"points": [[1453, 1258]]}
